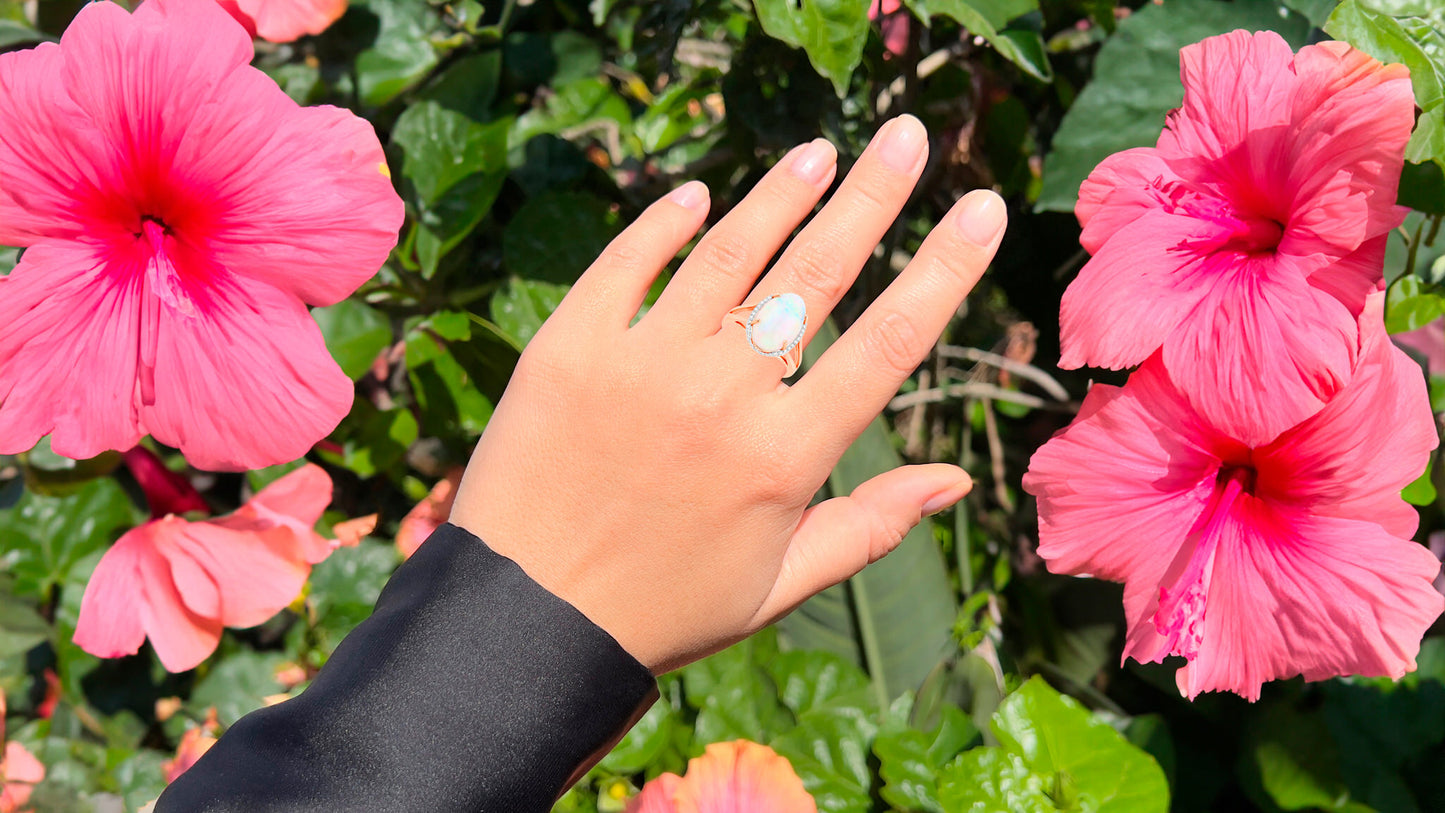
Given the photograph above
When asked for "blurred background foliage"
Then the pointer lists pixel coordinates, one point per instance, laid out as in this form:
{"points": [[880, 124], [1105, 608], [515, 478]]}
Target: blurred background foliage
{"points": [[956, 674]]}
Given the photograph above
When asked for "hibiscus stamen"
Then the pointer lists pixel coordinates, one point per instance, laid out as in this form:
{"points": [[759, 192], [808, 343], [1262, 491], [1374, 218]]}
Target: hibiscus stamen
{"points": [[1182, 603]]}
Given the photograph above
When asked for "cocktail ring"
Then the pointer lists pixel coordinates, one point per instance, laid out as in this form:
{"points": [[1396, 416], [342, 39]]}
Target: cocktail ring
{"points": [[775, 327]]}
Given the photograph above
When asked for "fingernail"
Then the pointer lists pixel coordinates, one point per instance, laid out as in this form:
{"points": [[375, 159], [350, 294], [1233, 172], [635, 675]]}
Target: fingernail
{"points": [[691, 195], [812, 162], [947, 497], [901, 143], [980, 216]]}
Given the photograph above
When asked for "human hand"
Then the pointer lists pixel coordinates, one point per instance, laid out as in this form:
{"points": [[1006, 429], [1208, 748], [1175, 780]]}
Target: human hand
{"points": [[658, 476]]}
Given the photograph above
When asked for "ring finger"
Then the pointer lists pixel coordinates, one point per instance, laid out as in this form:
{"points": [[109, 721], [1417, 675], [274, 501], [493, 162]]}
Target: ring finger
{"points": [[824, 260]]}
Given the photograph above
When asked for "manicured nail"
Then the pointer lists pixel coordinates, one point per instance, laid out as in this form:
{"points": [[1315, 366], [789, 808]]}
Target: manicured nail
{"points": [[980, 216], [947, 497], [812, 162], [691, 195], [901, 143]]}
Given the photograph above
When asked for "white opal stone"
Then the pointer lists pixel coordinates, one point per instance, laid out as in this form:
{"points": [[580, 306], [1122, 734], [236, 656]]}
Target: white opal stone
{"points": [[777, 323]]}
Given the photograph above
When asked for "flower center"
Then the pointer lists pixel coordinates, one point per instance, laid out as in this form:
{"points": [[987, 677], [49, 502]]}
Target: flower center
{"points": [[1183, 599], [1233, 229]]}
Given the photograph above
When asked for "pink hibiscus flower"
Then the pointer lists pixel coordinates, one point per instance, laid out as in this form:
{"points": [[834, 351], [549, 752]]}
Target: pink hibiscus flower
{"points": [[730, 777], [893, 26], [1253, 562], [179, 211], [1245, 242], [178, 583], [284, 20]]}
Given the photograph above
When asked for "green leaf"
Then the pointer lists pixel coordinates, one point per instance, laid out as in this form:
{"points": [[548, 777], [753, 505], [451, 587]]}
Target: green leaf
{"points": [[1409, 306], [1316, 11], [45, 536], [556, 235], [14, 33], [1422, 187], [1411, 32], [1136, 82], [830, 32], [644, 742], [576, 105], [909, 760], [990, 779], [829, 750], [469, 85], [456, 168], [1060, 739], [670, 117], [345, 587], [521, 307], [458, 365], [813, 679], [355, 334], [987, 18], [1422, 490], [373, 440], [895, 618], [401, 55], [236, 685], [1298, 761], [734, 695], [21, 627]]}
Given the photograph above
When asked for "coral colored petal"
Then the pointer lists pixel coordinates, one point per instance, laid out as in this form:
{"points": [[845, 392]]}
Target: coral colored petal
{"points": [[1352, 459], [58, 304], [21, 765], [1262, 350], [1134, 292], [240, 577], [656, 796], [181, 638], [293, 504], [732, 777], [422, 520], [1318, 596], [110, 619], [315, 222], [287, 20], [1119, 488], [1352, 278], [244, 382]]}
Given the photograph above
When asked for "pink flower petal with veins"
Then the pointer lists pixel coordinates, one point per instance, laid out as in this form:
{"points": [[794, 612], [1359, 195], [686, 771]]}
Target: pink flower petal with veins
{"points": [[1253, 560], [1265, 204], [179, 213]]}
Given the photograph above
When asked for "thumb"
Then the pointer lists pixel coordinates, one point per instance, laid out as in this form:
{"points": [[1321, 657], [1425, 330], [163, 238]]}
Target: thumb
{"points": [[837, 538]]}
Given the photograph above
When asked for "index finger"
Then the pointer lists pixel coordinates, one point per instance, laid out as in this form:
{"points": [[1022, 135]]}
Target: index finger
{"points": [[851, 383]]}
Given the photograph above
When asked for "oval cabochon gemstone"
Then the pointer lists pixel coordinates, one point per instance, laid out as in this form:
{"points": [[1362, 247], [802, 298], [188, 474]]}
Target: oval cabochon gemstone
{"points": [[777, 323]]}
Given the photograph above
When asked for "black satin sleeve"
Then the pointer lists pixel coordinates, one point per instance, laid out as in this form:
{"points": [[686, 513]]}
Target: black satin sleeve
{"points": [[470, 688]]}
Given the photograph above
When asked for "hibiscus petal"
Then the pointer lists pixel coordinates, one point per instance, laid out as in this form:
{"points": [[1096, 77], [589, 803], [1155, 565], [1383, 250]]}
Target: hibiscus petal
{"points": [[240, 577], [1119, 488], [1318, 596], [180, 637], [656, 795], [50, 153], [315, 222], [1262, 350], [1334, 460], [110, 620], [287, 20], [1134, 292], [1121, 189], [59, 303], [290, 506], [742, 775], [245, 381]]}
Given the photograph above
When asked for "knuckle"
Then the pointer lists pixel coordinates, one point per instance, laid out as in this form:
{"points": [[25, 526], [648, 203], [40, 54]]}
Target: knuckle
{"points": [[623, 253], [876, 193], [894, 341], [815, 275], [724, 253]]}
